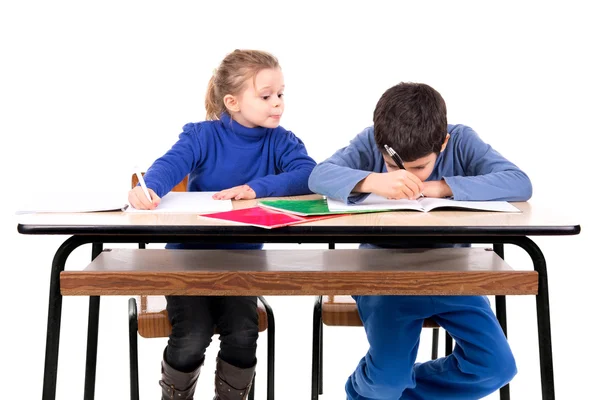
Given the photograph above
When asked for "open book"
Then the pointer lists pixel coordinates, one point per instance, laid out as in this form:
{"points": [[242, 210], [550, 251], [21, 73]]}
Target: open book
{"points": [[375, 203], [425, 204], [188, 202]]}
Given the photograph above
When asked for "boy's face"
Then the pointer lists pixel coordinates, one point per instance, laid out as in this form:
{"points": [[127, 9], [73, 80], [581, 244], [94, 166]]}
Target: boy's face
{"points": [[261, 102], [421, 167]]}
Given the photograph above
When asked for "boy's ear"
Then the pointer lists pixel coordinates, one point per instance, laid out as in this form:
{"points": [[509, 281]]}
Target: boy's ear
{"points": [[445, 142], [231, 103]]}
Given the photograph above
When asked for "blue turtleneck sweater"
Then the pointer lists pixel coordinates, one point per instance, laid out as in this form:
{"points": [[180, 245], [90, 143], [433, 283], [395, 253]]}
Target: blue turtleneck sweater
{"points": [[222, 154]]}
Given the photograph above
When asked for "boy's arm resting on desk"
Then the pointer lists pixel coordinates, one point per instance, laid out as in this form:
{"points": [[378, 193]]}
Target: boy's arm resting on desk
{"points": [[171, 168], [337, 176], [296, 166], [490, 176]]}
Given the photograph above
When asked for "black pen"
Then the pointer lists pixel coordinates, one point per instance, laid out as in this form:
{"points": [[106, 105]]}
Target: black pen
{"points": [[397, 160], [394, 156]]}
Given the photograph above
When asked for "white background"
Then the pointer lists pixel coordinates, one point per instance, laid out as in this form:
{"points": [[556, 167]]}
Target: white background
{"points": [[87, 91]]}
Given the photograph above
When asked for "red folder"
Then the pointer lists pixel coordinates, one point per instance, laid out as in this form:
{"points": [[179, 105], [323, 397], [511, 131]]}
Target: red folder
{"points": [[264, 217]]}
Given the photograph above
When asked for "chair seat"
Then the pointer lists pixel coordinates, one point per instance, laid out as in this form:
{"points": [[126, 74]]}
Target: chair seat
{"points": [[153, 319], [342, 311]]}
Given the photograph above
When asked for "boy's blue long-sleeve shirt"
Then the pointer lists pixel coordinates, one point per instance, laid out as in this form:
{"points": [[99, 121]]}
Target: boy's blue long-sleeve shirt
{"points": [[222, 154], [472, 169]]}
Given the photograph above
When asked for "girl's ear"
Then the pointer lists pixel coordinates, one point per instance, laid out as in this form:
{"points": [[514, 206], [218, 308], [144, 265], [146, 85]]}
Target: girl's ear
{"points": [[231, 103], [445, 142]]}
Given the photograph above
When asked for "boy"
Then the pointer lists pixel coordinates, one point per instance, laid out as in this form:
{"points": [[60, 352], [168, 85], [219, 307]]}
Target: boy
{"points": [[441, 160]]}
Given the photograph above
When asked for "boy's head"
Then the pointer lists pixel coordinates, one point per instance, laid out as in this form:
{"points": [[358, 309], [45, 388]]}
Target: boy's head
{"points": [[411, 119]]}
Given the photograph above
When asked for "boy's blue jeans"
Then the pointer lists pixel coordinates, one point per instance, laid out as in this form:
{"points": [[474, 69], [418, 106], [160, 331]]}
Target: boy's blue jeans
{"points": [[480, 364]]}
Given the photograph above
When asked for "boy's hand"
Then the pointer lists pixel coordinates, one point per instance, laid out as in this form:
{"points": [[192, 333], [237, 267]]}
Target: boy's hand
{"points": [[395, 185], [437, 189], [243, 192], [137, 199]]}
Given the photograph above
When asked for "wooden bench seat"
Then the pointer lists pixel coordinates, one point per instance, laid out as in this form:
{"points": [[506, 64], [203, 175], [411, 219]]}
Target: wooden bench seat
{"points": [[153, 320], [454, 271]]}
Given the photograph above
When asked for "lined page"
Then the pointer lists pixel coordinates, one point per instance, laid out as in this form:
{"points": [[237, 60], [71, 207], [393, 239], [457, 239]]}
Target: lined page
{"points": [[374, 203]]}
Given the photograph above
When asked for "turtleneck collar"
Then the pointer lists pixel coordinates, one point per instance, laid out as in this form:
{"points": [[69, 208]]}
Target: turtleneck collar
{"points": [[249, 135]]}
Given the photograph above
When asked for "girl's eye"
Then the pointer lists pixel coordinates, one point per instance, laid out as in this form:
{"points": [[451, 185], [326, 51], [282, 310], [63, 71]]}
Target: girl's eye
{"points": [[265, 97], [280, 95]]}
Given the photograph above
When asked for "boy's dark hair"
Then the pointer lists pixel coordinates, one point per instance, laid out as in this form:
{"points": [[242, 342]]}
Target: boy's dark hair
{"points": [[411, 118]]}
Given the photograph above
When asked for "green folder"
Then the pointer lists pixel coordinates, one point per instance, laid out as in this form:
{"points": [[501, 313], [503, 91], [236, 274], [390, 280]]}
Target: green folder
{"points": [[303, 207]]}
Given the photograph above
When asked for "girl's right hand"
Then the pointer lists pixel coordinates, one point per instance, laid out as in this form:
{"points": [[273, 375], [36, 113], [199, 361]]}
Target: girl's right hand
{"points": [[138, 200]]}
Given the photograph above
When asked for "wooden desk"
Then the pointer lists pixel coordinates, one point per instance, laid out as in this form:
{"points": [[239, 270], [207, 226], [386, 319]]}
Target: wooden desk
{"points": [[408, 227]]}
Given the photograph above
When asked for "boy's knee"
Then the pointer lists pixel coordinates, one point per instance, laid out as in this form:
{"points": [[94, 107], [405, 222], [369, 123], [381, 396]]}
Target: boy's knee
{"points": [[506, 369], [387, 383], [499, 369]]}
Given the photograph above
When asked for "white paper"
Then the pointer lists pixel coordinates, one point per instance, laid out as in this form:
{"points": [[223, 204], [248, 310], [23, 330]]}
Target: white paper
{"points": [[188, 202], [73, 202]]}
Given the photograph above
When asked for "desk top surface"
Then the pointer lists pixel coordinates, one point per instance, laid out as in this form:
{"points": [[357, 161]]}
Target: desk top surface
{"points": [[533, 220]]}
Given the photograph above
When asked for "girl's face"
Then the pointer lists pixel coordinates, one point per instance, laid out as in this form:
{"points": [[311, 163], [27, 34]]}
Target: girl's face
{"points": [[261, 101]]}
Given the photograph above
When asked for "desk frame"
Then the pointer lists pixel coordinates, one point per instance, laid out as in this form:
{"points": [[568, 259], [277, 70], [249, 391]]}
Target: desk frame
{"points": [[97, 235]]}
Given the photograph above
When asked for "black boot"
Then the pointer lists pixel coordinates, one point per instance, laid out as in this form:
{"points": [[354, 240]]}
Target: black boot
{"points": [[232, 383], [177, 385]]}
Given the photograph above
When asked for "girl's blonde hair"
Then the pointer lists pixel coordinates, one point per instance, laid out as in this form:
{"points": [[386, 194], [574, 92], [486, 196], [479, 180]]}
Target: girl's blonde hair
{"points": [[235, 69]]}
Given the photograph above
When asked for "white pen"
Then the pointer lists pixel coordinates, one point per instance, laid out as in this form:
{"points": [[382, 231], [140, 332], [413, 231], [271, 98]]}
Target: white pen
{"points": [[143, 184]]}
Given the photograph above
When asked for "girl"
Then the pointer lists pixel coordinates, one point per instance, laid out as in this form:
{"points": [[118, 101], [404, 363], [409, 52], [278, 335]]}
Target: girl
{"points": [[240, 152]]}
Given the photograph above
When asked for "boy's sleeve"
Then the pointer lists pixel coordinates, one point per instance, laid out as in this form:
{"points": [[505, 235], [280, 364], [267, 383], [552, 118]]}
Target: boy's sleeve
{"points": [[490, 176], [171, 168], [295, 165], [340, 173]]}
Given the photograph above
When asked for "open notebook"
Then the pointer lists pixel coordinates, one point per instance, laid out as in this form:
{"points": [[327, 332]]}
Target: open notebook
{"points": [[425, 204], [188, 202]]}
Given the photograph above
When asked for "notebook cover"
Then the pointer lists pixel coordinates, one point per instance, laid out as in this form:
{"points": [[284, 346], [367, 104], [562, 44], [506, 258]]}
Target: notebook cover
{"points": [[264, 217], [305, 207]]}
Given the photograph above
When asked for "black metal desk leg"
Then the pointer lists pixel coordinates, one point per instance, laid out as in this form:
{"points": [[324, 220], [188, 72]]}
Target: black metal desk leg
{"points": [[54, 316], [543, 317], [92, 338]]}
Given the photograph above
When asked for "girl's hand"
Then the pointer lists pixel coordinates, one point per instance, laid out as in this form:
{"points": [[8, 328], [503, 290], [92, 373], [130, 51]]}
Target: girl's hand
{"points": [[243, 192], [137, 199]]}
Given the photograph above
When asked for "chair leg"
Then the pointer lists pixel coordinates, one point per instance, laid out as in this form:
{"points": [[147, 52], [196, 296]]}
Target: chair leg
{"points": [[448, 344], [270, 350], [501, 315], [133, 351], [317, 328], [435, 342], [321, 358]]}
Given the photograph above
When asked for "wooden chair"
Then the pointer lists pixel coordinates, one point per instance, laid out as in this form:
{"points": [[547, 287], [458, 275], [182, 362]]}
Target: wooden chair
{"points": [[341, 310], [148, 316]]}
